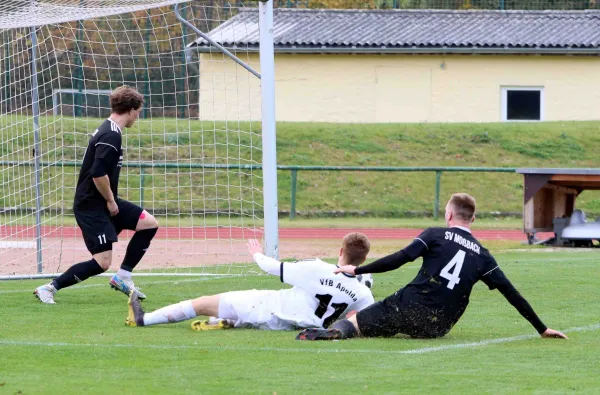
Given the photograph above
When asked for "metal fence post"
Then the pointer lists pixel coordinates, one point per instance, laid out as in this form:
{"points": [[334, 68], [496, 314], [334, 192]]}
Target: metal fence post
{"points": [[7, 71], [181, 101], [436, 201], [147, 98], [80, 75], [142, 173], [293, 204]]}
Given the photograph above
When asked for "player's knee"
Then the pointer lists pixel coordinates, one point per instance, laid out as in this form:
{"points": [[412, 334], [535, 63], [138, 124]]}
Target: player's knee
{"points": [[353, 320], [152, 222], [104, 260], [207, 305], [147, 221]]}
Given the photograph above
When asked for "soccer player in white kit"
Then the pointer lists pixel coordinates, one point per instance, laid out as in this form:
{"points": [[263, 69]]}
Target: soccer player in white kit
{"points": [[317, 299]]}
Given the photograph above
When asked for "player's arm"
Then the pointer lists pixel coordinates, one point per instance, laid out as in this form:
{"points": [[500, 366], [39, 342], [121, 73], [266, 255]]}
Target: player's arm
{"points": [[268, 264], [292, 273], [385, 264], [103, 186], [417, 248], [495, 279], [106, 157]]}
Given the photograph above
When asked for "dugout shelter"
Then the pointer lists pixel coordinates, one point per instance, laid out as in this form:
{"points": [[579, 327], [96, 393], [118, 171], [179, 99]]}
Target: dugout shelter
{"points": [[549, 201]]}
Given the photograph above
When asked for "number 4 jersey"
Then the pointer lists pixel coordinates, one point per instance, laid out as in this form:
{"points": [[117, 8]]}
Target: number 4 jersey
{"points": [[453, 261], [318, 296]]}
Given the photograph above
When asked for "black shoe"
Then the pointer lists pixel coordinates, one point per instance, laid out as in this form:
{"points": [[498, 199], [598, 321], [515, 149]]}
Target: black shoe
{"points": [[136, 313], [319, 334]]}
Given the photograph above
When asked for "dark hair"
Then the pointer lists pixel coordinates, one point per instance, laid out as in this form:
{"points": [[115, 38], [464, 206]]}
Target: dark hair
{"points": [[125, 99], [355, 246], [463, 206]]}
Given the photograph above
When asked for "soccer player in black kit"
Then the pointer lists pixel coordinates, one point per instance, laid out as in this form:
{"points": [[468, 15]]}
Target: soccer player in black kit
{"points": [[428, 307], [100, 213]]}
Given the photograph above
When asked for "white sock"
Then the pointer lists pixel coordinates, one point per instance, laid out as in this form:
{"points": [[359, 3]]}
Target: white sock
{"points": [[124, 274], [174, 313]]}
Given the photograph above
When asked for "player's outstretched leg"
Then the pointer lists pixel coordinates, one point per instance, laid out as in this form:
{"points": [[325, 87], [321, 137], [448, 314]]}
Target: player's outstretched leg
{"points": [[343, 329], [75, 274], [186, 310], [173, 313]]}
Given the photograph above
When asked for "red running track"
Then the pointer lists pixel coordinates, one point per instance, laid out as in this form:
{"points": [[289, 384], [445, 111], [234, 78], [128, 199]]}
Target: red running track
{"points": [[24, 232]]}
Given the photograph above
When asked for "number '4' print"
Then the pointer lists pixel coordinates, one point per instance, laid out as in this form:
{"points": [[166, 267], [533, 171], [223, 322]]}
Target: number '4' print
{"points": [[455, 263]]}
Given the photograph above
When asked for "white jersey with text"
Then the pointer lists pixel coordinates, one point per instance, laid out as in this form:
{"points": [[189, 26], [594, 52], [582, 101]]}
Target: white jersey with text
{"points": [[317, 299]]}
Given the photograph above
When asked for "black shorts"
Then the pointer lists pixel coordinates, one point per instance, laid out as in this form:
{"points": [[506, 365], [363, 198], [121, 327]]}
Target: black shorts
{"points": [[390, 317], [100, 230]]}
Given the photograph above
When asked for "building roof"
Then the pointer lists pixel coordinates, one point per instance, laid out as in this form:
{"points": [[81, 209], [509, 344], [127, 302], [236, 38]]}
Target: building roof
{"points": [[416, 31]]}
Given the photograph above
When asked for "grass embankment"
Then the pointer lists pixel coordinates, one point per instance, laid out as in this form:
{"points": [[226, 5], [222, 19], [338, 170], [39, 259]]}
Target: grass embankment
{"points": [[385, 194]]}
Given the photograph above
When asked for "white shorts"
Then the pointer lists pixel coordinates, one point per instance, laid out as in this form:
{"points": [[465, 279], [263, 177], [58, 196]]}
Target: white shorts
{"points": [[254, 309]]}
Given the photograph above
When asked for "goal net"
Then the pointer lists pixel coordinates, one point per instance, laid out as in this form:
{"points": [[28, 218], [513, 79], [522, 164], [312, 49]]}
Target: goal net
{"points": [[193, 159]]}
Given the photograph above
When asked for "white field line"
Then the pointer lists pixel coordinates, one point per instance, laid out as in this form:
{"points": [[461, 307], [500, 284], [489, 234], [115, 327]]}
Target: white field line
{"points": [[17, 244], [197, 347], [142, 283]]}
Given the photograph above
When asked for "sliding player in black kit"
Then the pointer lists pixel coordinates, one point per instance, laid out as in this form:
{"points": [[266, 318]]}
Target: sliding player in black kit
{"points": [[99, 213], [428, 307]]}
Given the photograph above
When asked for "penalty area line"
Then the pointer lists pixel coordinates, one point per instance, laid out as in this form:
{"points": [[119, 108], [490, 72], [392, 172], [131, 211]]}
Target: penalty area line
{"points": [[198, 347]]}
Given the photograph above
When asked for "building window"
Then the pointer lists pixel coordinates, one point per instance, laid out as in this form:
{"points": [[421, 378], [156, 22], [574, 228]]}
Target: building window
{"points": [[522, 104]]}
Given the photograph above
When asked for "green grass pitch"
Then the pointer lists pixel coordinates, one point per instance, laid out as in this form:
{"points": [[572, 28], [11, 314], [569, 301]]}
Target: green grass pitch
{"points": [[81, 345]]}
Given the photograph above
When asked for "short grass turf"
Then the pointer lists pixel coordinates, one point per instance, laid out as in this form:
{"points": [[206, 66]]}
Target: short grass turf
{"points": [[80, 345]]}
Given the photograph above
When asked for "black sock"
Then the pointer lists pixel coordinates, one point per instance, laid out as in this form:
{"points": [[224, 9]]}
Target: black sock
{"points": [[346, 328], [137, 247], [77, 273]]}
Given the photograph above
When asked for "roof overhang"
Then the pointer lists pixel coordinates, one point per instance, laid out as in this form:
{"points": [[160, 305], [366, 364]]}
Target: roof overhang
{"points": [[413, 50]]}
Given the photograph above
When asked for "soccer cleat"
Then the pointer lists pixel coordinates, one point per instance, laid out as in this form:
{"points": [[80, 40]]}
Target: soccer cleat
{"points": [[45, 293], [125, 286], [135, 316], [211, 324], [319, 334]]}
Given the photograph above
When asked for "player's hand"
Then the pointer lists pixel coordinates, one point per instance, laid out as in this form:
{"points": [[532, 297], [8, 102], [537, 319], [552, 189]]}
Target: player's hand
{"points": [[254, 246], [551, 333], [113, 209], [348, 269]]}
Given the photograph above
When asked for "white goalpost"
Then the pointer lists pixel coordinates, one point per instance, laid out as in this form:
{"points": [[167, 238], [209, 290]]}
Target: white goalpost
{"points": [[201, 158]]}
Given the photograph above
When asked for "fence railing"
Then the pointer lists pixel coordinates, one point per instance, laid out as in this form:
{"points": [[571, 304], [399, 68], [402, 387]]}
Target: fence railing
{"points": [[438, 177], [292, 168]]}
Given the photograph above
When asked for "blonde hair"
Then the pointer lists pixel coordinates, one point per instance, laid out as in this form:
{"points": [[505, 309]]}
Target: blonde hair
{"points": [[463, 206], [355, 247]]}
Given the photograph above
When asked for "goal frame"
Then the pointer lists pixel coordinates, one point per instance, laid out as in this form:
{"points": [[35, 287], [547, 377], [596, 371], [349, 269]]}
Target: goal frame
{"points": [[267, 78], [269, 154]]}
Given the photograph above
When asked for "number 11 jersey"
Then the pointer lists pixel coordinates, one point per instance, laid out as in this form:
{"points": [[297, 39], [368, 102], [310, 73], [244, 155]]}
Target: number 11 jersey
{"points": [[319, 297]]}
